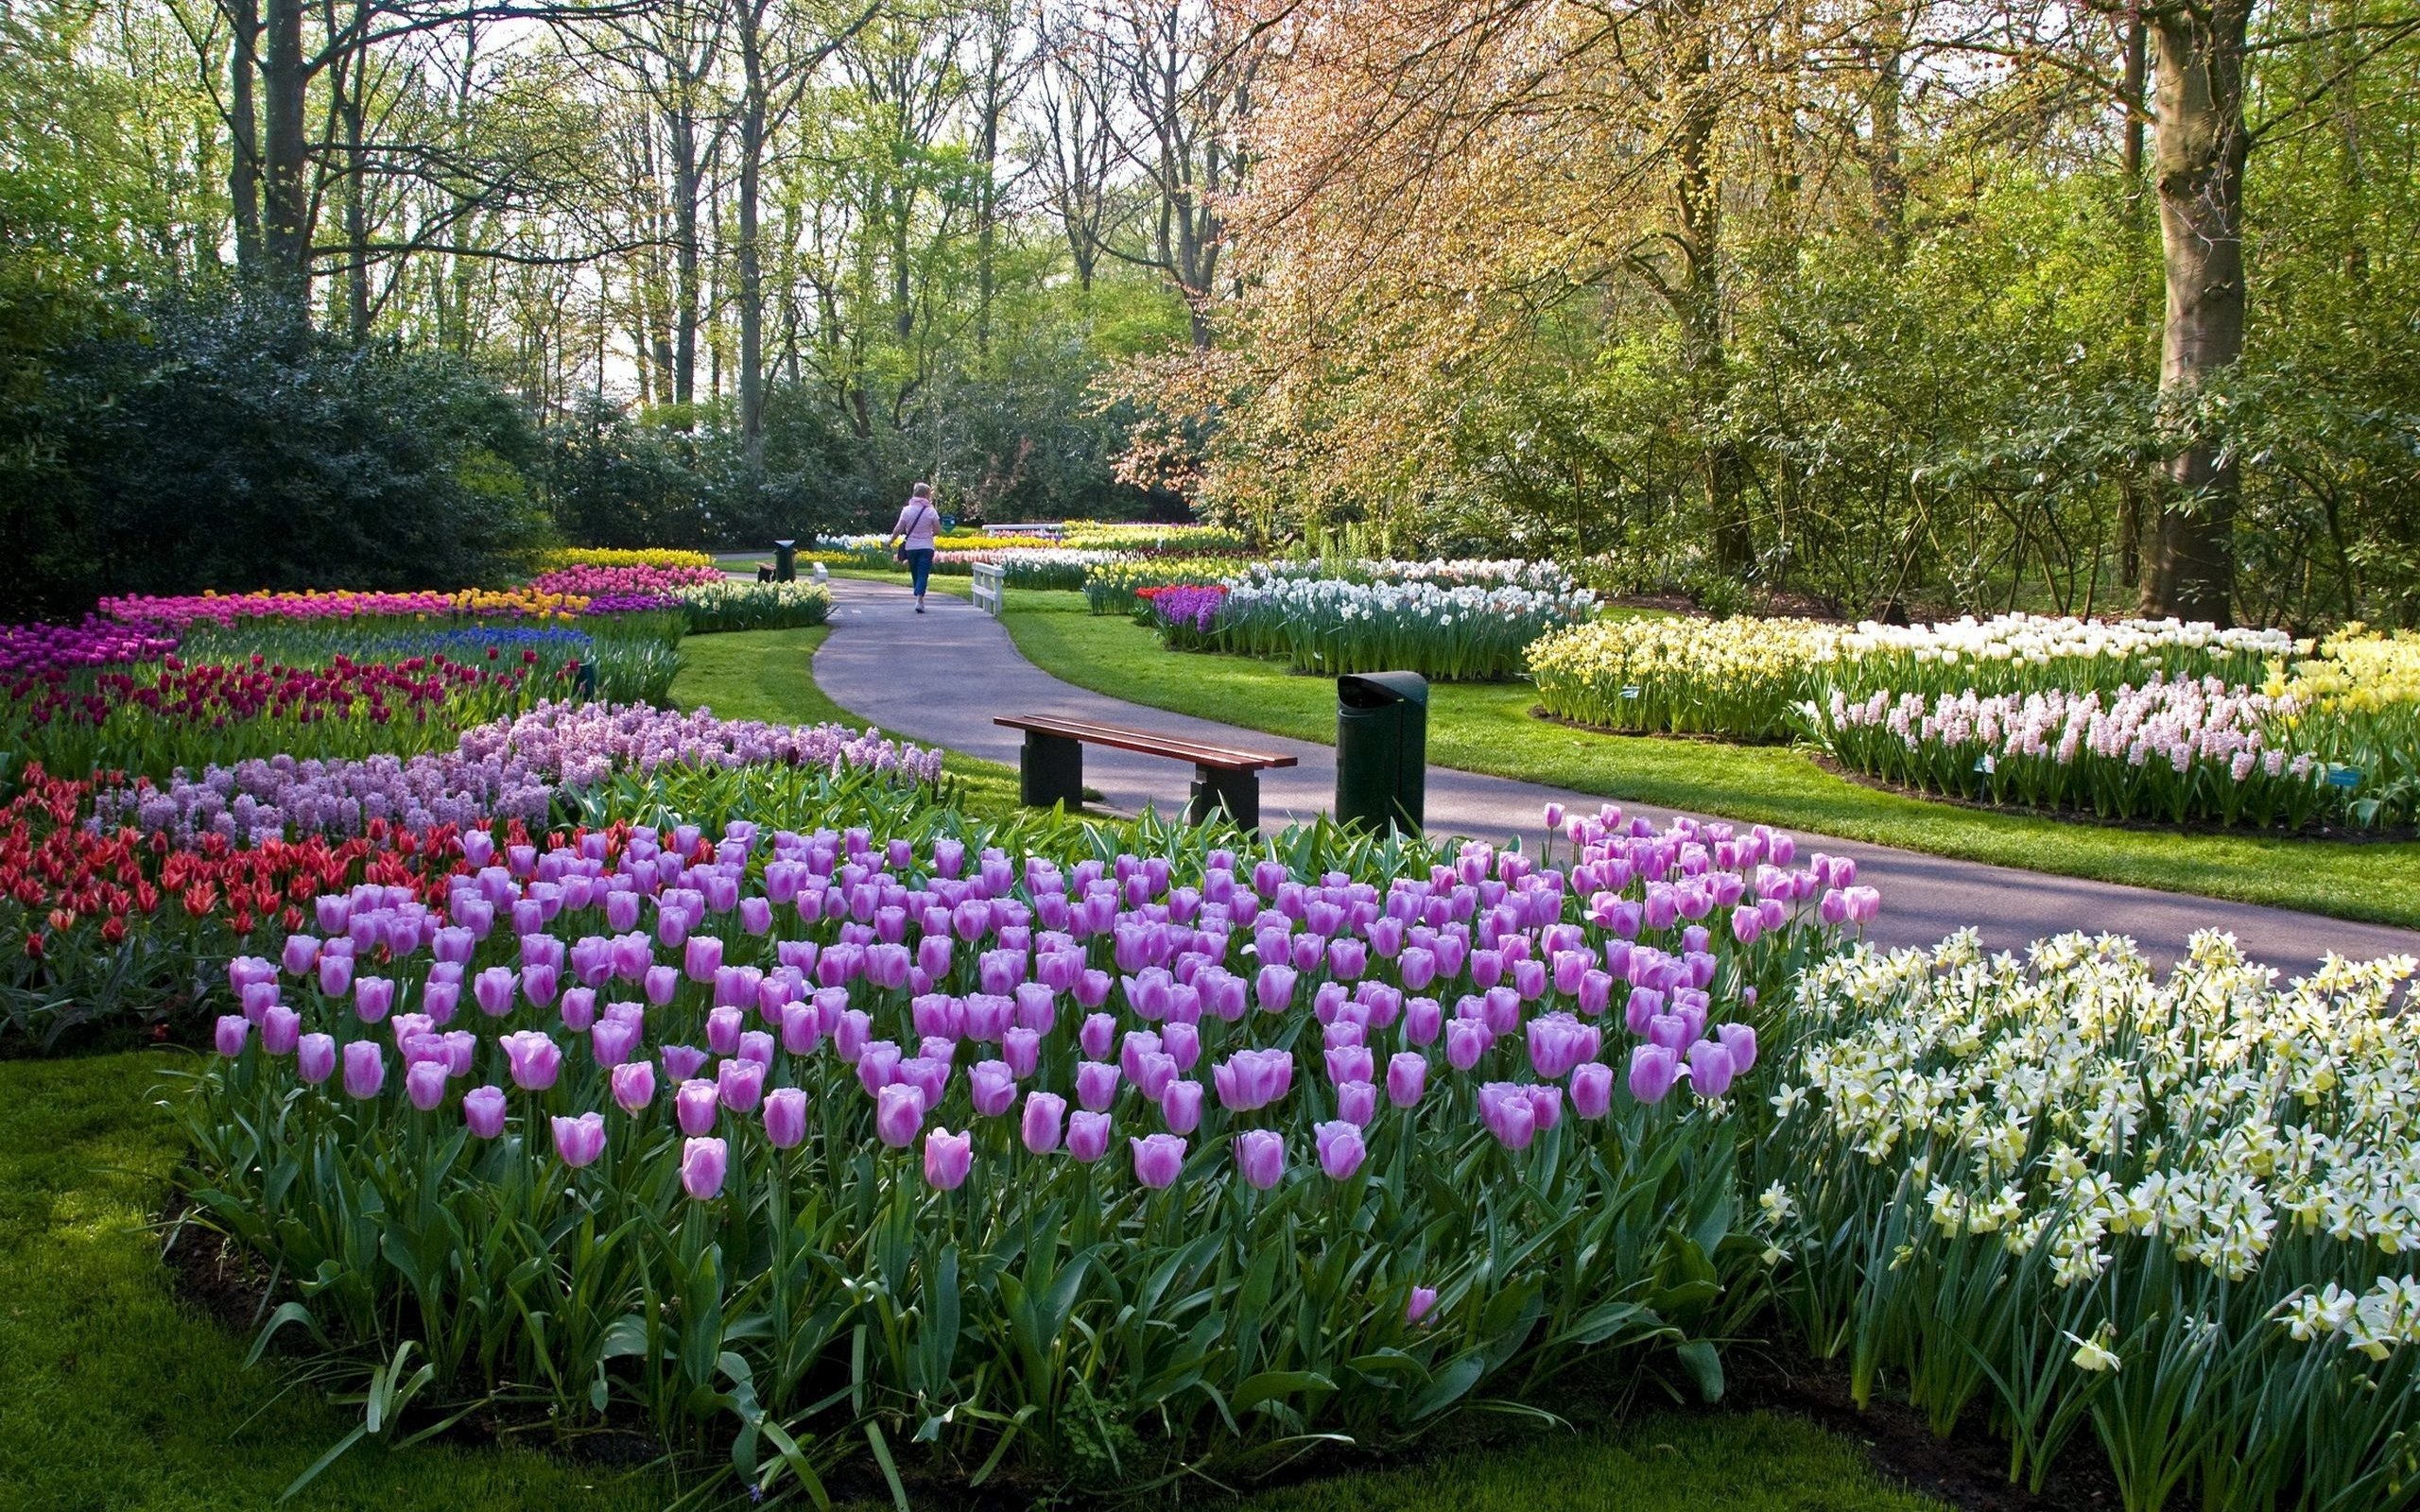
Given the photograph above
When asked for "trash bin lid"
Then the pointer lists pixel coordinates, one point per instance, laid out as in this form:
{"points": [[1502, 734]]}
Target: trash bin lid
{"points": [[1376, 690], [779, 542]]}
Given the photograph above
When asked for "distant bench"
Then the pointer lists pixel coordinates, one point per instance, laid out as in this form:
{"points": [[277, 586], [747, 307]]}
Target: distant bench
{"points": [[1051, 768]]}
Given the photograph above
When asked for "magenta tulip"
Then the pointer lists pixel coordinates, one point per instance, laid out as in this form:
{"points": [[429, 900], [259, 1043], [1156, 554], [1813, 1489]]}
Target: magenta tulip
{"points": [[1653, 1069]]}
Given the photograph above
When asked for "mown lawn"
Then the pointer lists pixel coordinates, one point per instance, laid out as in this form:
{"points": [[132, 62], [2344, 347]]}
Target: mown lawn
{"points": [[1488, 727], [116, 1395], [770, 675]]}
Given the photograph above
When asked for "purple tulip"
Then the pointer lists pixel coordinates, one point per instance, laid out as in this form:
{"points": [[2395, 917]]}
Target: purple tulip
{"points": [[1274, 988], [1260, 1158], [1422, 1020], [696, 1105], [850, 1033], [365, 1070], [1510, 1115], [492, 989], [1159, 1158], [611, 1041], [741, 1085], [1466, 1041], [1357, 1102], [1096, 1085], [1341, 1149], [705, 1162], [483, 1110], [928, 1074], [1087, 1135], [578, 1009], [1022, 1048], [899, 1114], [1044, 1113], [1181, 1107], [699, 956], [1710, 1069], [1350, 1063], [301, 953], [633, 1084], [316, 1058], [1422, 1300], [722, 1030], [801, 1028], [947, 1158], [1592, 1089], [786, 1117], [1740, 1040], [534, 1058], [1097, 1034], [281, 1026], [992, 1086], [424, 1084], [336, 974], [232, 1030], [756, 915], [1407, 1077], [1653, 1069]]}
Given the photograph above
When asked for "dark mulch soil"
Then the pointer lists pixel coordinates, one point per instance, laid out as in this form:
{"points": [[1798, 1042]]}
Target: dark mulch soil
{"points": [[1968, 1470], [218, 1277]]}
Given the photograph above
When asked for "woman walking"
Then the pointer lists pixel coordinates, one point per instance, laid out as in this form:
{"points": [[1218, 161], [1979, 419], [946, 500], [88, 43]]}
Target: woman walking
{"points": [[919, 522]]}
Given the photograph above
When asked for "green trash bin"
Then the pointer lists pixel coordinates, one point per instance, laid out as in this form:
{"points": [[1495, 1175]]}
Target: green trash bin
{"points": [[785, 561], [1382, 750]]}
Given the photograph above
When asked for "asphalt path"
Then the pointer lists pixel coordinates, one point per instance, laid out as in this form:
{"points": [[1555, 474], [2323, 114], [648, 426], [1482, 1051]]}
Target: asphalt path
{"points": [[939, 677]]}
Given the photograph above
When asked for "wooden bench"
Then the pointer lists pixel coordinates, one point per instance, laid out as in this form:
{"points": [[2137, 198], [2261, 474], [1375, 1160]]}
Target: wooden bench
{"points": [[990, 588], [1051, 768]]}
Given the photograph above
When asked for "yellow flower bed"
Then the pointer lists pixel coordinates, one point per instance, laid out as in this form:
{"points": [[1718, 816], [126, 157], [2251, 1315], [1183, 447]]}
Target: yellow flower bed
{"points": [[620, 557], [1736, 677]]}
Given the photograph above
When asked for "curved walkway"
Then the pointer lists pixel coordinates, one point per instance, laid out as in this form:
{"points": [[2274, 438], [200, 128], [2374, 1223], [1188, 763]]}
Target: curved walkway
{"points": [[941, 678]]}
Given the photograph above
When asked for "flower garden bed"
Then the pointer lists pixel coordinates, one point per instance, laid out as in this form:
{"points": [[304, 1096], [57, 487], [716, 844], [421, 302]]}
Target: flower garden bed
{"points": [[606, 1071]]}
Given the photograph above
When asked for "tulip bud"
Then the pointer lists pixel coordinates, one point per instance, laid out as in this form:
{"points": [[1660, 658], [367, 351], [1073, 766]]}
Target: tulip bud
{"points": [[1088, 1136], [703, 1165], [786, 1117], [1044, 1113], [1417, 1309], [483, 1110], [947, 1158], [634, 1086], [315, 1057], [365, 1070]]}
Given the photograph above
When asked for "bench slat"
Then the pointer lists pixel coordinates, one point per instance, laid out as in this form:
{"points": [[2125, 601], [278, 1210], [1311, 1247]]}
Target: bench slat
{"points": [[1150, 744]]}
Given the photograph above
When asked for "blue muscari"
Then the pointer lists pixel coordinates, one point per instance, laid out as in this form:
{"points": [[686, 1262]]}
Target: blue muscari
{"points": [[552, 646]]}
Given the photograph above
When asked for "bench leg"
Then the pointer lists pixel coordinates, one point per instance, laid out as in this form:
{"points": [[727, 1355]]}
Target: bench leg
{"points": [[1238, 793], [1050, 771]]}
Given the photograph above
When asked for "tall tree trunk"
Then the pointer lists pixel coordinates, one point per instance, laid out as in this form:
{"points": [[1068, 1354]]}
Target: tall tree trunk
{"points": [[286, 239], [1699, 202], [685, 238], [243, 122], [751, 272], [351, 85], [2199, 155], [2130, 487]]}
